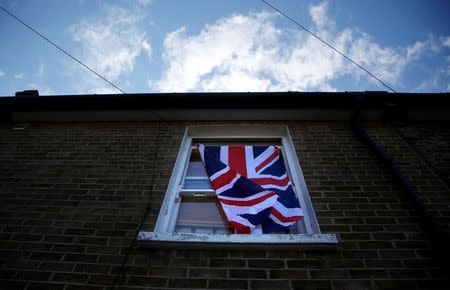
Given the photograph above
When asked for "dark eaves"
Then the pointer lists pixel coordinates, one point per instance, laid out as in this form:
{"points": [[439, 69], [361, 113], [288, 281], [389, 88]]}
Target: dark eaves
{"points": [[32, 101]]}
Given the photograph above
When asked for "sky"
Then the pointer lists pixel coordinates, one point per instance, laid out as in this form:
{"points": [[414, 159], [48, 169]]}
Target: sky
{"points": [[149, 46]]}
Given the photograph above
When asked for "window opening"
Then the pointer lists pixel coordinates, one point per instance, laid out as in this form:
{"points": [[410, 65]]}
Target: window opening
{"points": [[189, 189], [200, 210]]}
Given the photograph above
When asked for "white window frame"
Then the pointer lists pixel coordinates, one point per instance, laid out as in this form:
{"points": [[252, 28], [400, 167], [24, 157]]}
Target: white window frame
{"points": [[308, 226]]}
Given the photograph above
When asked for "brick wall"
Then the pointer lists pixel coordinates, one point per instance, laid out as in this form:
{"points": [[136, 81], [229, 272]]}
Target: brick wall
{"points": [[72, 196], [431, 141]]}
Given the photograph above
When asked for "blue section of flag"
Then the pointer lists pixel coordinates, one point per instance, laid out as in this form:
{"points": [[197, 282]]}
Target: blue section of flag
{"points": [[212, 160], [277, 169], [266, 187]]}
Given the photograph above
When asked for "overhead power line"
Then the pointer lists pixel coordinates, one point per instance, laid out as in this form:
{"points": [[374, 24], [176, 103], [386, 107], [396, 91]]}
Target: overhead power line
{"points": [[61, 49], [267, 3], [329, 45]]}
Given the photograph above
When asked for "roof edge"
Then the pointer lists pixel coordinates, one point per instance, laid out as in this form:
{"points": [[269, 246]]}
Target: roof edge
{"points": [[260, 103]]}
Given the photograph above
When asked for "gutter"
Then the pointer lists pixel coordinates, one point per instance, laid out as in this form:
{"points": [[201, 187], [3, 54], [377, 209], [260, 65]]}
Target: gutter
{"points": [[29, 106]]}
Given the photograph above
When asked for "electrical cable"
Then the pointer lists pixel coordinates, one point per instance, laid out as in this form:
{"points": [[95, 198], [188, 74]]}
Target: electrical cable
{"points": [[120, 272], [61, 49], [439, 238], [71, 56], [421, 156], [265, 2], [329, 45]]}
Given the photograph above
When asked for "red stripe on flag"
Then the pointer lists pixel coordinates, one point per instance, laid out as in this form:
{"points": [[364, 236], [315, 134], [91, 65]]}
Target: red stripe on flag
{"points": [[282, 218], [223, 179], [266, 180], [240, 229], [247, 202], [267, 161], [237, 160]]}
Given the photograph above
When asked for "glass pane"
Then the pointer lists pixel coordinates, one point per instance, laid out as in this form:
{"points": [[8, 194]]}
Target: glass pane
{"points": [[196, 183], [200, 215], [196, 168], [196, 177]]}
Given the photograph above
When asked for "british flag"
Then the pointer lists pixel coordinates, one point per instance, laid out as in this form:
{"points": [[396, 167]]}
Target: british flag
{"points": [[253, 187]]}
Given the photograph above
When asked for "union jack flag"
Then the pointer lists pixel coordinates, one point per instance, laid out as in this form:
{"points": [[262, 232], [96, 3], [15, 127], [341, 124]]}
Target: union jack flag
{"points": [[253, 187]]}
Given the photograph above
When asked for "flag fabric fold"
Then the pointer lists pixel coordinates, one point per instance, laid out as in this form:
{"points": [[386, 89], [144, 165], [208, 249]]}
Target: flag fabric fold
{"points": [[253, 187]]}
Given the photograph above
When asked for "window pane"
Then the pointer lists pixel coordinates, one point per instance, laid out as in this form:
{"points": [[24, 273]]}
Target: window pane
{"points": [[196, 177], [196, 183], [201, 215], [196, 168]]}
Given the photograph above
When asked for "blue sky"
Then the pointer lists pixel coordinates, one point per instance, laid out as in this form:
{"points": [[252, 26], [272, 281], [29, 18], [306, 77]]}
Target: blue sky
{"points": [[228, 45]]}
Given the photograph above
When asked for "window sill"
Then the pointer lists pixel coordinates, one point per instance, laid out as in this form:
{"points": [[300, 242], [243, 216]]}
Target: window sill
{"points": [[278, 242]]}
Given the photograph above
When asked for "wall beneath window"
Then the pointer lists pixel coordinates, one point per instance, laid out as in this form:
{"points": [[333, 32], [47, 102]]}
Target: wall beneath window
{"points": [[72, 195]]}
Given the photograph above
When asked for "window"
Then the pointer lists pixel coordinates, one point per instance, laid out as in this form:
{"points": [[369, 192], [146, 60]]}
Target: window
{"points": [[199, 211], [191, 211]]}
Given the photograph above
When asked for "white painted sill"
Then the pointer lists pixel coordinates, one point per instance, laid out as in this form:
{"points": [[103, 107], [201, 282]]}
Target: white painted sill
{"points": [[268, 241]]}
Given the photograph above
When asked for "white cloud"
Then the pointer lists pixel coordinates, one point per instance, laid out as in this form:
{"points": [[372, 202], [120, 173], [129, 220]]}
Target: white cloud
{"points": [[145, 2], [427, 85], [319, 14], [44, 90], [105, 89], [448, 65], [251, 53], [2, 73], [18, 76], [214, 52], [40, 71], [446, 41], [111, 43]]}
